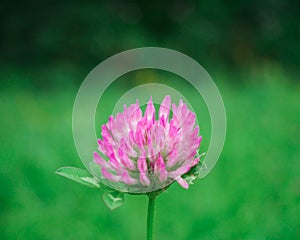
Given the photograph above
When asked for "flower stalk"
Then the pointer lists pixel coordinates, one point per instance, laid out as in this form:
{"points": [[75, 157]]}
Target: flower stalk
{"points": [[150, 216]]}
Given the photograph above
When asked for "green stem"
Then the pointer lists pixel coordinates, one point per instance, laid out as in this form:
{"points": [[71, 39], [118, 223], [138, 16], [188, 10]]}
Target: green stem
{"points": [[150, 216]]}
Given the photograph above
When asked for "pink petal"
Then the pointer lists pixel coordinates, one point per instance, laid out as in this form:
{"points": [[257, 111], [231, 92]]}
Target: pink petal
{"points": [[131, 138], [100, 161], [164, 109], [101, 146], [108, 175], [139, 137], [135, 115], [189, 123], [150, 112], [106, 133], [158, 137], [159, 168], [171, 158], [195, 162], [179, 171], [142, 166], [110, 123], [144, 179], [173, 130], [115, 162], [163, 121], [127, 148], [183, 183], [127, 179], [125, 160], [151, 153]]}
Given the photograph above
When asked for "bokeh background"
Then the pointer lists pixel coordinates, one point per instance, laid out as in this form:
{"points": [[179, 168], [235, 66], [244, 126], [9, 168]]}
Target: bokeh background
{"points": [[250, 48]]}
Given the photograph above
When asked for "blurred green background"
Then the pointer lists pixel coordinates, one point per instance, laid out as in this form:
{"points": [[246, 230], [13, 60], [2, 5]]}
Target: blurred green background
{"points": [[250, 48]]}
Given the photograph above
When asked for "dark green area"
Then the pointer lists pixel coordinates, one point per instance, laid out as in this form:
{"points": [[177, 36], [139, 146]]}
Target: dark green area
{"points": [[62, 35], [250, 49]]}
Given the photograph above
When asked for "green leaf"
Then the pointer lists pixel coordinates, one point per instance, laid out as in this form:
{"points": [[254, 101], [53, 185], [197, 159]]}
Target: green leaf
{"points": [[78, 175], [195, 171], [113, 199]]}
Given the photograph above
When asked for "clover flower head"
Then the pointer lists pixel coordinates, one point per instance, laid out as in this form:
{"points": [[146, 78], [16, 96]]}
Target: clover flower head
{"points": [[142, 153]]}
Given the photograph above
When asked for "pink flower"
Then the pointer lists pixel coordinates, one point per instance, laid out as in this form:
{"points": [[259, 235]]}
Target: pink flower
{"points": [[144, 152]]}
